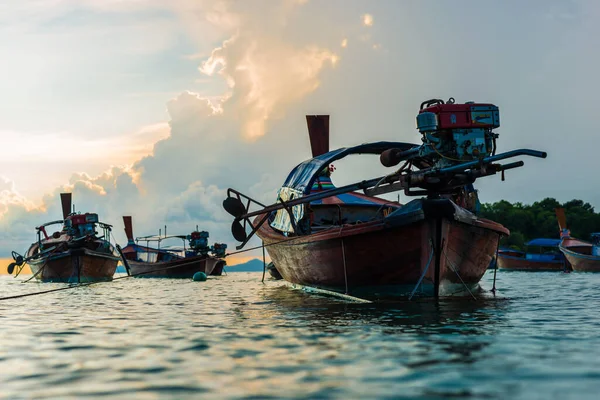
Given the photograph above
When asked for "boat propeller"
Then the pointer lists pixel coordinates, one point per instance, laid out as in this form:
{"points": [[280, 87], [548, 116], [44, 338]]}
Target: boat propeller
{"points": [[233, 205], [19, 261], [11, 268]]}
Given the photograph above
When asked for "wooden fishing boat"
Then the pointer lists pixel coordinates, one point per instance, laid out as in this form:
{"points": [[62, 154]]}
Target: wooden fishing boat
{"points": [[174, 261], [387, 256], [340, 240], [75, 253], [540, 255], [583, 256]]}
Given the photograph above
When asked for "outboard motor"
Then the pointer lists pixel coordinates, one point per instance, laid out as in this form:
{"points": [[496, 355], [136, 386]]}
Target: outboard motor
{"points": [[596, 244], [457, 132], [218, 250], [81, 225], [198, 243]]}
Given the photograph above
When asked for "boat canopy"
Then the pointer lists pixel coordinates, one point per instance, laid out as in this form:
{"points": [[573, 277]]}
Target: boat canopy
{"points": [[307, 178], [543, 242], [303, 175]]}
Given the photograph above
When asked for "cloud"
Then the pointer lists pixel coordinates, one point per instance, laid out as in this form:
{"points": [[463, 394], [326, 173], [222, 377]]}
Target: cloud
{"points": [[176, 173], [9, 197], [264, 70], [50, 147]]}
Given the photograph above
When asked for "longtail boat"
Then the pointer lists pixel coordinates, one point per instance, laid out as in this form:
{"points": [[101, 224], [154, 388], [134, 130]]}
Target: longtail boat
{"points": [[540, 255], [195, 255], [583, 256], [339, 240], [74, 254]]}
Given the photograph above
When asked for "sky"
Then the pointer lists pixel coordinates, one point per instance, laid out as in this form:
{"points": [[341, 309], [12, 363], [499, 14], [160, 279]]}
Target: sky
{"points": [[154, 108]]}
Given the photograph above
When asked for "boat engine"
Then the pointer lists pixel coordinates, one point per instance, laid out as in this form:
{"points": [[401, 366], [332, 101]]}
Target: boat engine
{"points": [[218, 250], [454, 133], [459, 146], [81, 225], [596, 244], [199, 242]]}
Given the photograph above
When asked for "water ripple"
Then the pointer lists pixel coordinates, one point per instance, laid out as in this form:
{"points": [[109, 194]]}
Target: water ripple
{"points": [[233, 337]]}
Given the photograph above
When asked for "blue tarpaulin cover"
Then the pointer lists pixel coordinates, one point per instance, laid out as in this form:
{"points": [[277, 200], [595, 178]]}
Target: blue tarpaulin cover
{"points": [[543, 242]]}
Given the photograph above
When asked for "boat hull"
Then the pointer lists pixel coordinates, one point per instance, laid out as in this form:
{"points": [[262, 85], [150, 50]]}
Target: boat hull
{"points": [[387, 258], [581, 262], [75, 265], [522, 264], [181, 268]]}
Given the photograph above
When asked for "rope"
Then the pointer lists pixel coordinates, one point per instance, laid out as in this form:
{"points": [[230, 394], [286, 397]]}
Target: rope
{"points": [[92, 283], [264, 262], [344, 259], [424, 271], [43, 266], [496, 269], [452, 267]]}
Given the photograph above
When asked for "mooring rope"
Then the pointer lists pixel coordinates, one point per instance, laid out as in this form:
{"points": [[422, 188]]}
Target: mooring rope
{"points": [[43, 266], [496, 265], [424, 271], [264, 262], [94, 282], [453, 268]]}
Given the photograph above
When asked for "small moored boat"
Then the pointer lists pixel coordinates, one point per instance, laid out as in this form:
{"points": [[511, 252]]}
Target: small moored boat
{"points": [[540, 255], [195, 255], [75, 253], [583, 256]]}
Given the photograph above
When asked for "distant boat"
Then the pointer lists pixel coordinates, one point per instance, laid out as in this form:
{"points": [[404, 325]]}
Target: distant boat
{"points": [[195, 255], [583, 256], [539, 255], [73, 254]]}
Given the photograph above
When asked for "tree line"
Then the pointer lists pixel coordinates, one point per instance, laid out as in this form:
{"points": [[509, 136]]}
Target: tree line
{"points": [[538, 220]]}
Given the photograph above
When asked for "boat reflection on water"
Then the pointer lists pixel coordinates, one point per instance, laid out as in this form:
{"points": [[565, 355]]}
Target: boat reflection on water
{"points": [[427, 331], [458, 315]]}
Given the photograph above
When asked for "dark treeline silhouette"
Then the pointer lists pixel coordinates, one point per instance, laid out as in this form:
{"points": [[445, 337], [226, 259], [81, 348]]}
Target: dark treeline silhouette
{"points": [[537, 220]]}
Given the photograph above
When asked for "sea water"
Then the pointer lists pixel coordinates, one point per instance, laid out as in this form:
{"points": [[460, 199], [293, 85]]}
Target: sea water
{"points": [[235, 337]]}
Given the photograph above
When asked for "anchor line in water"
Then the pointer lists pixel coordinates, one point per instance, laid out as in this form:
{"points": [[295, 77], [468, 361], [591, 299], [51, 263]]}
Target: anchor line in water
{"points": [[264, 262], [424, 271], [496, 264], [93, 283], [453, 268], [42, 268]]}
